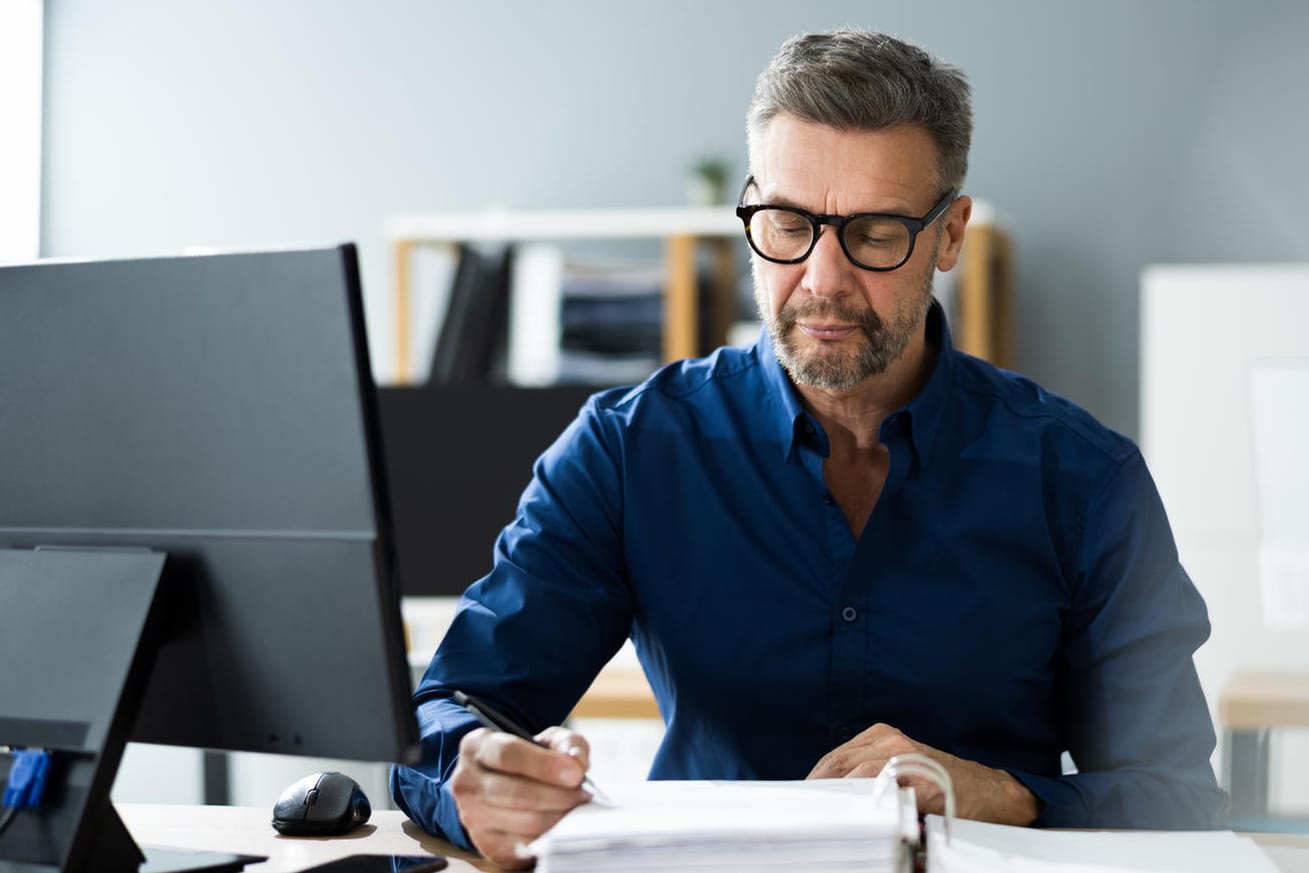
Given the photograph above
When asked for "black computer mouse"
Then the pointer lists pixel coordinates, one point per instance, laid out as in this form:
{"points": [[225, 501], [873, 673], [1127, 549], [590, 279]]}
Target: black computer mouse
{"points": [[324, 804]]}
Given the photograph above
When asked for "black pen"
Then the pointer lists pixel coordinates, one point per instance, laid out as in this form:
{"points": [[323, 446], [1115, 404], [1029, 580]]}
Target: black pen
{"points": [[498, 721]]}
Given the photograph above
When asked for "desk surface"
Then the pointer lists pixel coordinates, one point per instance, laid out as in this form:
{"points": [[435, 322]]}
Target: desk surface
{"points": [[1265, 700], [246, 830]]}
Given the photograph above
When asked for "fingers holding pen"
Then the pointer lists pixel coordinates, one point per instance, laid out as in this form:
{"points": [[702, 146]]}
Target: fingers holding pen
{"points": [[512, 767], [571, 744], [509, 791]]}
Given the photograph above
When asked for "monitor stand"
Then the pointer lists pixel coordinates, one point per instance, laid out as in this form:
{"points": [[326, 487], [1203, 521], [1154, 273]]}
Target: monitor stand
{"points": [[81, 632]]}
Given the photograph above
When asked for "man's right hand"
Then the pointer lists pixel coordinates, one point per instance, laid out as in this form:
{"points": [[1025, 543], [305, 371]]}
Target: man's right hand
{"points": [[509, 791]]}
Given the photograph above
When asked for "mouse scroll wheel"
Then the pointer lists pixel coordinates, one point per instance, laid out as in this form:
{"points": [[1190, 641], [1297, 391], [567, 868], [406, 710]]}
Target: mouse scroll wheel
{"points": [[312, 797]]}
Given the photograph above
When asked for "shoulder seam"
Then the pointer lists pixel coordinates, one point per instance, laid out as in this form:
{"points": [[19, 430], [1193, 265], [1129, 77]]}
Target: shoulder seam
{"points": [[655, 384], [1074, 427]]}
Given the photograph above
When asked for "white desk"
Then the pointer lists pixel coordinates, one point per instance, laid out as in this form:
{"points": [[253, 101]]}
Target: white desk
{"points": [[246, 830]]}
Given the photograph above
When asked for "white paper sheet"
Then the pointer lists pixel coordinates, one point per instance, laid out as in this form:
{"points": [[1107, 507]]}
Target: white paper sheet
{"points": [[830, 825], [977, 847]]}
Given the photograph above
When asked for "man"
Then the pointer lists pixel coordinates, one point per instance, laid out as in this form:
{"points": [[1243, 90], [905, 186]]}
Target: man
{"points": [[848, 542]]}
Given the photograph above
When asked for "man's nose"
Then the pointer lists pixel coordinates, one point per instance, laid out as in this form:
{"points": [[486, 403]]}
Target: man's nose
{"points": [[827, 269]]}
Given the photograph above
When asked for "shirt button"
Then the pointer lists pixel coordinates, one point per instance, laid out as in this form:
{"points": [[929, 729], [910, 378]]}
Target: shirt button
{"points": [[849, 613], [829, 500]]}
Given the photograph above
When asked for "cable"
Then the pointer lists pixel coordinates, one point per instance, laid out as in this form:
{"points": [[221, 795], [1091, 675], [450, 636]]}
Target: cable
{"points": [[26, 778], [26, 784]]}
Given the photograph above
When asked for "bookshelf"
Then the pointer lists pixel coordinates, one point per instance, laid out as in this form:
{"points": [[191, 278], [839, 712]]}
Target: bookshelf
{"points": [[983, 322], [682, 230]]}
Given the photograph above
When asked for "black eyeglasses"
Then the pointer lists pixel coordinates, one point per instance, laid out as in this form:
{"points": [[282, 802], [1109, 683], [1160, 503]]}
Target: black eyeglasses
{"points": [[871, 240]]}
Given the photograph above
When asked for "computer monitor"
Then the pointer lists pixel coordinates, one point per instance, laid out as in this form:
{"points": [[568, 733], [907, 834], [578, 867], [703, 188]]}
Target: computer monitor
{"points": [[217, 410]]}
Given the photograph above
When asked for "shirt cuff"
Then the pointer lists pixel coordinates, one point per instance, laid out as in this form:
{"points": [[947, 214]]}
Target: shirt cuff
{"points": [[1062, 804], [430, 804]]}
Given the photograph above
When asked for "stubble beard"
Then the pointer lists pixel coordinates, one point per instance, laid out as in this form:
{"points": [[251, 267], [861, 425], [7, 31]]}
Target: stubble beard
{"points": [[839, 366]]}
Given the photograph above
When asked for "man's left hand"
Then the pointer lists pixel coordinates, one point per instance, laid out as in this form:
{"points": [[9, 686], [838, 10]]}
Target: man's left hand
{"points": [[980, 792]]}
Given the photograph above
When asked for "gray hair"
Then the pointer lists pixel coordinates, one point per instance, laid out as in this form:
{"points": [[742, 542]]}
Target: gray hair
{"points": [[859, 80]]}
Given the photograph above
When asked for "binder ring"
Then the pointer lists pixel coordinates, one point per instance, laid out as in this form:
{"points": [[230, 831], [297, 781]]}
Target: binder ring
{"points": [[916, 764]]}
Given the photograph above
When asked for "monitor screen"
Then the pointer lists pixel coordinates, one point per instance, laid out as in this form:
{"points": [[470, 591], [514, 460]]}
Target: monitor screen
{"points": [[217, 409]]}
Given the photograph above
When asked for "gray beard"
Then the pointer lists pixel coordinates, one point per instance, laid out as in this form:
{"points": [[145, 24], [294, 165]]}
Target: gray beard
{"points": [[839, 368]]}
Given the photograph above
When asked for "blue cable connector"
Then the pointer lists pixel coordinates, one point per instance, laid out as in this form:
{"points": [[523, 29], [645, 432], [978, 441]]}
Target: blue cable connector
{"points": [[26, 778]]}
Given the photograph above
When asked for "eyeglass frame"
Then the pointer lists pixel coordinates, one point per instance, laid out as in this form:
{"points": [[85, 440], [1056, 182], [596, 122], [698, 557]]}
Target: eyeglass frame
{"points": [[915, 226]]}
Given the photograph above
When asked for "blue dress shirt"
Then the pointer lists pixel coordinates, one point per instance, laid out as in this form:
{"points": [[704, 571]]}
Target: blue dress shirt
{"points": [[1016, 593]]}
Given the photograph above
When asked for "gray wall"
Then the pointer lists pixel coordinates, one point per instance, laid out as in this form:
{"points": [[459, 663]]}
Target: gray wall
{"points": [[1110, 134]]}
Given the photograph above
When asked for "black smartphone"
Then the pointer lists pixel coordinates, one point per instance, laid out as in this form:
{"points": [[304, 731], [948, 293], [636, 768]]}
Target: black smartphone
{"points": [[382, 864]]}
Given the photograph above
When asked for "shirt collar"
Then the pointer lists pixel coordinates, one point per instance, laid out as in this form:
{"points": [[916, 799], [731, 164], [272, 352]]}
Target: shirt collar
{"points": [[784, 410], [793, 426], [926, 410]]}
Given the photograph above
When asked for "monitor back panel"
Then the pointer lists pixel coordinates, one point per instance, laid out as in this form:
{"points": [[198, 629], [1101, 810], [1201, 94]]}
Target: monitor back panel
{"points": [[218, 408]]}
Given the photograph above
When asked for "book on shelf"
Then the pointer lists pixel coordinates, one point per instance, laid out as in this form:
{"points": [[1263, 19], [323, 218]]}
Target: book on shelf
{"points": [[532, 315], [471, 344], [583, 320]]}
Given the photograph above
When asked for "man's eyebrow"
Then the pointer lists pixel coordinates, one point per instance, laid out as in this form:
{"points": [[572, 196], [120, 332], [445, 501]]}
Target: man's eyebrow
{"points": [[777, 201], [791, 204], [785, 201]]}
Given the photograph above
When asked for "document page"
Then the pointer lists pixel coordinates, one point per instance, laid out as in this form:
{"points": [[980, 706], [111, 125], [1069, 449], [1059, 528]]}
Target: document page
{"points": [[726, 826], [976, 847]]}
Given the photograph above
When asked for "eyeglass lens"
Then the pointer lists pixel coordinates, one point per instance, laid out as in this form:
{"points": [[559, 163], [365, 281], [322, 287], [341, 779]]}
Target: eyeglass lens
{"points": [[872, 241]]}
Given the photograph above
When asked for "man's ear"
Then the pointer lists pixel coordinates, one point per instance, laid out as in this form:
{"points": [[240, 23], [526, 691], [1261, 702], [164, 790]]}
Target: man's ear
{"points": [[953, 224]]}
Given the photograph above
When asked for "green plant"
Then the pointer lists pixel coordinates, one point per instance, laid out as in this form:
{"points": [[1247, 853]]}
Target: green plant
{"points": [[712, 169]]}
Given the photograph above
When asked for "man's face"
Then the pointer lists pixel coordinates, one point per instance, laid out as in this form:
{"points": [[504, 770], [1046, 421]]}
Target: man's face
{"points": [[832, 323]]}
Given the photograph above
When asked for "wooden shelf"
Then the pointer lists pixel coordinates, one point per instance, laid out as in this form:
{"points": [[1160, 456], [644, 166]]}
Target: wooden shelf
{"points": [[683, 231], [984, 322]]}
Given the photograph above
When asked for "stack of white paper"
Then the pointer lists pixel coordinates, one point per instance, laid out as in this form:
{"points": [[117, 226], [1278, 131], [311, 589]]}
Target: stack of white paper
{"points": [[829, 825], [987, 848]]}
